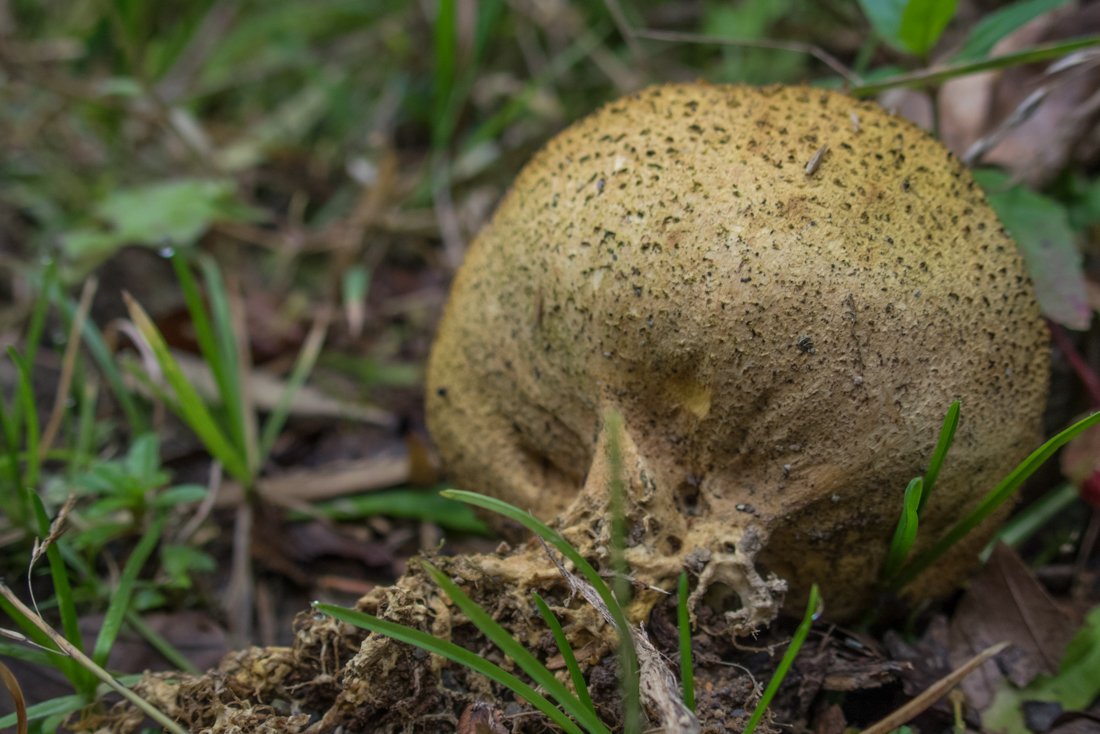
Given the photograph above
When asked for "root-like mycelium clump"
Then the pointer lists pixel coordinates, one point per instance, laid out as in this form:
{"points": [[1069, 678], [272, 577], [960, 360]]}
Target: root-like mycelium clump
{"points": [[781, 339]]}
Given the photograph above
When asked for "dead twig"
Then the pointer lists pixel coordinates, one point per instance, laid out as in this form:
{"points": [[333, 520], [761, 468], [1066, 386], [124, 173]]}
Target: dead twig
{"points": [[935, 692]]}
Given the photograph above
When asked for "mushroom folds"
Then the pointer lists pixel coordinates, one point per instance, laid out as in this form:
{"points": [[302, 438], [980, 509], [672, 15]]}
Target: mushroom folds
{"points": [[782, 340]]}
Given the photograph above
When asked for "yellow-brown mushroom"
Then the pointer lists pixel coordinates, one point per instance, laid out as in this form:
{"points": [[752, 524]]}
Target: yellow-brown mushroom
{"points": [[782, 339]]}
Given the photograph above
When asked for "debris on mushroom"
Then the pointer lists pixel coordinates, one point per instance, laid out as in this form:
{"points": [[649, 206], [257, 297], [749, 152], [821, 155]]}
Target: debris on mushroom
{"points": [[782, 339]]}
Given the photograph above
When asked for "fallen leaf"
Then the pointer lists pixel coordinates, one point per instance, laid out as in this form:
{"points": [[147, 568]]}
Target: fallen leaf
{"points": [[1006, 602], [1041, 229]]}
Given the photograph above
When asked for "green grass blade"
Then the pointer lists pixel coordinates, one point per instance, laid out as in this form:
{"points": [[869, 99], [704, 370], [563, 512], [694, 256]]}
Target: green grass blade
{"points": [[453, 652], [1039, 513], [54, 707], [62, 662], [191, 407], [503, 639], [566, 652], [941, 73], [93, 339], [161, 645], [29, 654], [687, 671], [120, 599], [303, 366], [41, 308], [25, 398], [421, 504], [20, 509], [63, 591], [226, 337], [813, 611], [906, 532], [443, 73], [992, 501], [85, 435], [630, 662], [947, 436], [613, 424], [204, 335]]}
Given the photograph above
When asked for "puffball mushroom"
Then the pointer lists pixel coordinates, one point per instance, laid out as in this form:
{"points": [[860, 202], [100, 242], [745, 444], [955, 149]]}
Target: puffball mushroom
{"points": [[782, 341]]}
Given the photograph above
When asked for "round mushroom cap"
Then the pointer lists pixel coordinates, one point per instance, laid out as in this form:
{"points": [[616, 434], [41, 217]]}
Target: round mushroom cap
{"points": [[783, 341]]}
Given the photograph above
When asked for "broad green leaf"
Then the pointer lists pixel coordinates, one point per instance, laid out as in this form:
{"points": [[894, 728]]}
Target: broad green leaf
{"points": [[143, 459], [923, 22], [885, 16], [167, 213], [996, 25], [1041, 229], [181, 561]]}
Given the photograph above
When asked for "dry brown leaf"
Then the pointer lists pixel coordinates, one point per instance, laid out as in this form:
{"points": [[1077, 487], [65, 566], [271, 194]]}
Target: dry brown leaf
{"points": [[1006, 602]]}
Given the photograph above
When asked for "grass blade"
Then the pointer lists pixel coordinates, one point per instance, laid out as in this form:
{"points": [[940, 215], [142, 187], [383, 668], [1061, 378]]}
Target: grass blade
{"points": [[443, 75], [303, 365], [566, 652], [93, 339], [906, 532], [687, 671], [204, 335], [613, 424], [53, 707], [25, 398], [120, 599], [38, 317], [992, 501], [66, 665], [66, 605], [552, 537], [813, 611], [947, 437], [192, 408], [232, 392], [28, 654], [503, 639], [20, 510], [1023, 525], [453, 652], [941, 73]]}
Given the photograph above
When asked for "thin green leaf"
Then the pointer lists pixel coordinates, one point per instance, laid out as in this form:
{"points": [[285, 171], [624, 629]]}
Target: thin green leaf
{"points": [[687, 671], [93, 339], [503, 639], [453, 652], [813, 611], [192, 408], [62, 706], [992, 501], [566, 652], [63, 592], [923, 22], [85, 435], [422, 504], [232, 395], [942, 72], [29, 654], [630, 658], [204, 335], [38, 317], [443, 75], [120, 599], [303, 366], [21, 510], [996, 25], [906, 532], [25, 397], [161, 645], [1024, 524], [947, 436], [613, 424]]}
